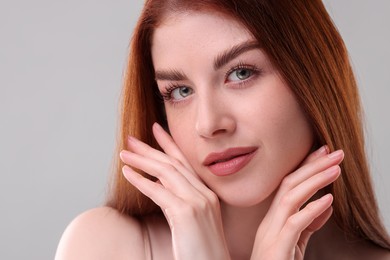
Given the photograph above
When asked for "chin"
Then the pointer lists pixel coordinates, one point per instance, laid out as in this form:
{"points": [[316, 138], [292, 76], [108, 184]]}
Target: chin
{"points": [[247, 199]]}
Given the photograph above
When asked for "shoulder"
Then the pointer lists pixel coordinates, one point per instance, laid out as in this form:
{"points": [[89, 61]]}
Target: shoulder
{"points": [[102, 233]]}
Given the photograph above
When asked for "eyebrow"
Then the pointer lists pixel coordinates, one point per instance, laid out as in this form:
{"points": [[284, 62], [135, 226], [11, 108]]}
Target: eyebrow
{"points": [[228, 55], [221, 60], [172, 75]]}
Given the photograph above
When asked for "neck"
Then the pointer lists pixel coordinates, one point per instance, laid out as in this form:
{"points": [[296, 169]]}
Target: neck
{"points": [[240, 226]]}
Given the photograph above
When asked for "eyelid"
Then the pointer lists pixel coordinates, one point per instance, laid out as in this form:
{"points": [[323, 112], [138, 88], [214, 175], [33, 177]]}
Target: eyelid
{"points": [[242, 65], [166, 93]]}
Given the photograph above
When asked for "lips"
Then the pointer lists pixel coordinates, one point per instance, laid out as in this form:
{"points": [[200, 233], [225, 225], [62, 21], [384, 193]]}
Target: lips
{"points": [[229, 161]]}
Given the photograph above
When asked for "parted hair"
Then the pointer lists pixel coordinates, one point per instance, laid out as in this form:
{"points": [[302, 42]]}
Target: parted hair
{"points": [[304, 45]]}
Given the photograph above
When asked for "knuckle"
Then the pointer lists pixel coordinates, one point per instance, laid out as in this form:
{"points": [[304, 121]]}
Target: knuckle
{"points": [[311, 208], [194, 208], [214, 200], [174, 161], [188, 210], [168, 167], [292, 223], [287, 182], [202, 204], [286, 200]]}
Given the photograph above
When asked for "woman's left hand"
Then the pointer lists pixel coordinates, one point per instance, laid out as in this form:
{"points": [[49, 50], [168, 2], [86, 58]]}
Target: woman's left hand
{"points": [[191, 209], [288, 225]]}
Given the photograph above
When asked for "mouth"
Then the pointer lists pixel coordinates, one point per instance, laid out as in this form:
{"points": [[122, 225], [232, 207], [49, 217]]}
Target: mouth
{"points": [[229, 161]]}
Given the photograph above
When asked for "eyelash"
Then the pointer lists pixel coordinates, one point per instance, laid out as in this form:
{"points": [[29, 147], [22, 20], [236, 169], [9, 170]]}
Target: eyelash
{"points": [[254, 70], [166, 95]]}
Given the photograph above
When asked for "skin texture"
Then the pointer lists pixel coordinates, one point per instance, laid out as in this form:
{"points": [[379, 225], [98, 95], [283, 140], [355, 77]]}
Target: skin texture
{"points": [[225, 112], [256, 213], [199, 94]]}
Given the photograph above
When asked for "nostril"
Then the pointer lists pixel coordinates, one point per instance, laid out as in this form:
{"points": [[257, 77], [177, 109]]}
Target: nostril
{"points": [[216, 129], [219, 131], [214, 120]]}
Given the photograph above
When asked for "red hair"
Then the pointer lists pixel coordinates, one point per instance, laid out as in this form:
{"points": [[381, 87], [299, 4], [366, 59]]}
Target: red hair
{"points": [[305, 46]]}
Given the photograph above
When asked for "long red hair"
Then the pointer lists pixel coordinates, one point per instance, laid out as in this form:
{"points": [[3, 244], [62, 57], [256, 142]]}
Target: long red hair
{"points": [[305, 46]]}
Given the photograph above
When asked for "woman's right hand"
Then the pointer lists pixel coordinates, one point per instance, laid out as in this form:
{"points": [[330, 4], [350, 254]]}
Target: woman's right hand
{"points": [[191, 209], [286, 229]]}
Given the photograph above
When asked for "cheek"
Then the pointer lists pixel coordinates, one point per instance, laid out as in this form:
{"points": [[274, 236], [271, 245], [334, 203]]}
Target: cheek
{"points": [[181, 130], [280, 117], [291, 137], [282, 130]]}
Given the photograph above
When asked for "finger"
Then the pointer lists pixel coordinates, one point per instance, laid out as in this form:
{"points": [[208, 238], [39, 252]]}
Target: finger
{"points": [[144, 150], [317, 224], [136, 146], [313, 164], [293, 200], [141, 148], [155, 191], [165, 172], [169, 146], [320, 221], [308, 170], [288, 204], [323, 150], [298, 222]]}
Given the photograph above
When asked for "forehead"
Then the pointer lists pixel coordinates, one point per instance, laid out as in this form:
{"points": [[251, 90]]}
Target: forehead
{"points": [[194, 33]]}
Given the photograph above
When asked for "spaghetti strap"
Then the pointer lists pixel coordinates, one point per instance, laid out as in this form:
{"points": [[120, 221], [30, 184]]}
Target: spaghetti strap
{"points": [[147, 243]]}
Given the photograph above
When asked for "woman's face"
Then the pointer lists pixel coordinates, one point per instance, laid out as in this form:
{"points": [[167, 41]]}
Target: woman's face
{"points": [[228, 110]]}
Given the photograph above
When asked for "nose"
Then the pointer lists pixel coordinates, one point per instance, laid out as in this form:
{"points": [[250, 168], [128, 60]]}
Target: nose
{"points": [[214, 118]]}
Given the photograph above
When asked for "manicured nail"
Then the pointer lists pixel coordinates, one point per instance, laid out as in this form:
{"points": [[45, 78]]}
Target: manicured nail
{"points": [[336, 154], [122, 154], [323, 150], [157, 126], [126, 170], [333, 170], [326, 197], [132, 140]]}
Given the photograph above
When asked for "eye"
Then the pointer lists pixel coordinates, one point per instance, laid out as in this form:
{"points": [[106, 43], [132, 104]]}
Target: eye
{"points": [[181, 92], [175, 93], [240, 74]]}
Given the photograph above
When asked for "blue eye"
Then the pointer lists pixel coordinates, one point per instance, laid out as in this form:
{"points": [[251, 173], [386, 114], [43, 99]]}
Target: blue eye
{"points": [[240, 74], [181, 92], [176, 93]]}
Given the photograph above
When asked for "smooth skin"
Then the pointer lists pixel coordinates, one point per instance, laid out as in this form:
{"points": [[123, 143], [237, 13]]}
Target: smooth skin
{"points": [[193, 211], [267, 210]]}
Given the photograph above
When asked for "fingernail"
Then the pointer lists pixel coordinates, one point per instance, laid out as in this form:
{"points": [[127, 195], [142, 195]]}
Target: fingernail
{"points": [[323, 150], [336, 154], [126, 170], [122, 154], [132, 140], [157, 126], [326, 197], [333, 170]]}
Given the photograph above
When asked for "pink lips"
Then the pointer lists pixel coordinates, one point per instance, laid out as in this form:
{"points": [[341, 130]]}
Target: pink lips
{"points": [[229, 161]]}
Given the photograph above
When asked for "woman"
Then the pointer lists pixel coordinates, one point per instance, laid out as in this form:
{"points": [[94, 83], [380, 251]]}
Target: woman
{"points": [[265, 156]]}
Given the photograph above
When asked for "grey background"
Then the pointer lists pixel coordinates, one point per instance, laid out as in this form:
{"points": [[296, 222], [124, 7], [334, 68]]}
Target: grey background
{"points": [[61, 65]]}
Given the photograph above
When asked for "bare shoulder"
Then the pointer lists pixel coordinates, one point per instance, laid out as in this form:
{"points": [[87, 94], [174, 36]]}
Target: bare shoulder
{"points": [[102, 233]]}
